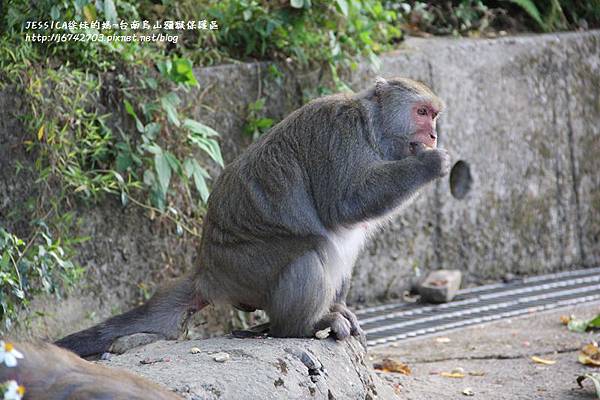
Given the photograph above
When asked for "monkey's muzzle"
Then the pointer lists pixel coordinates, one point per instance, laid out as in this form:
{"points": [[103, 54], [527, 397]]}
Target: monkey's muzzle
{"points": [[417, 147]]}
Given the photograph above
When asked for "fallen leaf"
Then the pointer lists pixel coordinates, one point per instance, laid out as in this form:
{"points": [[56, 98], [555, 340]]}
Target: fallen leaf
{"points": [[40, 134], [389, 365], [590, 355], [539, 360], [591, 349], [442, 340], [565, 319], [594, 377], [581, 325], [577, 325], [452, 375], [586, 360]]}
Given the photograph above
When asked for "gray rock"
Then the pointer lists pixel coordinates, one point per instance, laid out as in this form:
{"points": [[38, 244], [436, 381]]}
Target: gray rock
{"points": [[220, 357], [440, 286], [259, 369]]}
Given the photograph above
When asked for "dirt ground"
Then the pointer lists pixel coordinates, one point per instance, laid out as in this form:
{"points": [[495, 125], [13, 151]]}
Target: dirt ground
{"points": [[496, 360]]}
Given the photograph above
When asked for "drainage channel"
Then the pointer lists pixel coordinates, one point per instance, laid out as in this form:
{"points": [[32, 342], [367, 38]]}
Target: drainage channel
{"points": [[393, 322]]}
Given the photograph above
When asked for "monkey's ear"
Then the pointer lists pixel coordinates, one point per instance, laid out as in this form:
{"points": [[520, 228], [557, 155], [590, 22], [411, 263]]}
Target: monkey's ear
{"points": [[380, 84]]}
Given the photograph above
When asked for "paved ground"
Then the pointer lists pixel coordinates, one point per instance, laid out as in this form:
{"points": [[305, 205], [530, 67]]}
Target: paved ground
{"points": [[499, 357]]}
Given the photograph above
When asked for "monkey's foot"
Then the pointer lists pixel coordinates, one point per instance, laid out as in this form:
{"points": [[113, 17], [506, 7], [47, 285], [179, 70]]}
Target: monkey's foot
{"points": [[255, 331], [355, 329], [343, 323], [125, 343]]}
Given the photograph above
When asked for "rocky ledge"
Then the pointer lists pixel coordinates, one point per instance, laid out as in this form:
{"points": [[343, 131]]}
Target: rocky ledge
{"points": [[262, 368]]}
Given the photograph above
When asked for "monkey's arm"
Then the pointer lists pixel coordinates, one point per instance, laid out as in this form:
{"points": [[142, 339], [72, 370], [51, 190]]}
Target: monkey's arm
{"points": [[385, 185]]}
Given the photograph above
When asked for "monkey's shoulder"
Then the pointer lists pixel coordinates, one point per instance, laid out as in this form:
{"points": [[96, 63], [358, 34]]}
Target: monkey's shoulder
{"points": [[339, 104]]}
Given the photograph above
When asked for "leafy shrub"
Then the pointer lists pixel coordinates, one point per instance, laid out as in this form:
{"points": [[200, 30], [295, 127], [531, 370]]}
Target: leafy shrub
{"points": [[26, 269], [556, 15]]}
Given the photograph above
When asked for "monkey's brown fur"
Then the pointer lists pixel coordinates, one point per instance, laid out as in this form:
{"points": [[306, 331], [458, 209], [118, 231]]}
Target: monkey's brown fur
{"points": [[287, 219], [51, 373]]}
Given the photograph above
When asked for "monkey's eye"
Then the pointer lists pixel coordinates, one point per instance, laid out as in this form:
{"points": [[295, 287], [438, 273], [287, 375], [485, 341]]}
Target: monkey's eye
{"points": [[422, 111]]}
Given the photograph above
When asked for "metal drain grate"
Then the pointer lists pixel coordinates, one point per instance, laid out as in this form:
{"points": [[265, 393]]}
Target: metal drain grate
{"points": [[389, 323]]}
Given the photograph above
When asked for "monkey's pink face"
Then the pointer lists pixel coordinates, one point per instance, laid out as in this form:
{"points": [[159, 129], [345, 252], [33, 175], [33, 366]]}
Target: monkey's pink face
{"points": [[424, 116]]}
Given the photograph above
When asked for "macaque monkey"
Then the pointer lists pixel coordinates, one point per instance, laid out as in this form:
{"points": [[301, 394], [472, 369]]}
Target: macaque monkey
{"points": [[51, 373], [287, 219]]}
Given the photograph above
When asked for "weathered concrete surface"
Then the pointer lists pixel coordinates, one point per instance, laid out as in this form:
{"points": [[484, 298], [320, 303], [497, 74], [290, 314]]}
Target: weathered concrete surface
{"points": [[258, 369], [500, 356], [126, 255], [523, 112]]}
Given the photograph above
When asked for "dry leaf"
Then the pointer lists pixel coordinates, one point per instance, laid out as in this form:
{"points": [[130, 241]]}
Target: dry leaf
{"points": [[590, 349], [389, 365], [586, 360], [452, 375], [539, 360], [590, 355], [565, 319]]}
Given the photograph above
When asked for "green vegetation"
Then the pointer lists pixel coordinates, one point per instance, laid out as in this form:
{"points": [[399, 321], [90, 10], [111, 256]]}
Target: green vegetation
{"points": [[39, 266], [136, 143], [487, 17], [107, 117], [553, 15]]}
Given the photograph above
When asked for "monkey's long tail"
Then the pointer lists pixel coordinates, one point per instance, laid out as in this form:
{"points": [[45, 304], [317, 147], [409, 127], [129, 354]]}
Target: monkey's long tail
{"points": [[166, 314]]}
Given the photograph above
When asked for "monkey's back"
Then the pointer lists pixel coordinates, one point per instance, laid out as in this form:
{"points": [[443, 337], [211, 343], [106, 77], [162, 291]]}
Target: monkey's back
{"points": [[279, 199]]}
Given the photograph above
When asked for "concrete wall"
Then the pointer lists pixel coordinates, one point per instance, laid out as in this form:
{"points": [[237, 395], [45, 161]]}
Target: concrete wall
{"points": [[523, 113]]}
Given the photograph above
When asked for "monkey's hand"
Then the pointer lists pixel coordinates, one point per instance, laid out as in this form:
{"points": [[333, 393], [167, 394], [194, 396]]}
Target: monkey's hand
{"points": [[435, 161]]}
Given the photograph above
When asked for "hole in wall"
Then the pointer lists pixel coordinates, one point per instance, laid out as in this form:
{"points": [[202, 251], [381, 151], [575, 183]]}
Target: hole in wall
{"points": [[461, 179]]}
